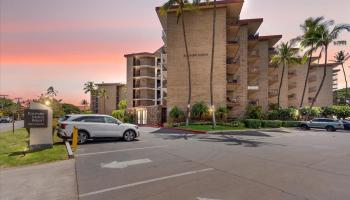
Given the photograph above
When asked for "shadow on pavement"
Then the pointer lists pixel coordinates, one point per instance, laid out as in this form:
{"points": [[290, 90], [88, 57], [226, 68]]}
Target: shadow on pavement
{"points": [[245, 133], [236, 141]]}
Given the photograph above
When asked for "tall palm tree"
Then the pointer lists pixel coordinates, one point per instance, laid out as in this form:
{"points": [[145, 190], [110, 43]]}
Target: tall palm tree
{"points": [[180, 6], [308, 42], [212, 66], [51, 92], [84, 103], [341, 57], [285, 56], [103, 94], [90, 87], [326, 35]]}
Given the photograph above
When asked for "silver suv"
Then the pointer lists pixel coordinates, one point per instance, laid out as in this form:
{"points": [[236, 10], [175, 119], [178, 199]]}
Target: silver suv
{"points": [[323, 123]]}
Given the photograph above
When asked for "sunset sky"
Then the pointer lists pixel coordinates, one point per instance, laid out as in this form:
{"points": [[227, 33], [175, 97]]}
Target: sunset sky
{"points": [[64, 43]]}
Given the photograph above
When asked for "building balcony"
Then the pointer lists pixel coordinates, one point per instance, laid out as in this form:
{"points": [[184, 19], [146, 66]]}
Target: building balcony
{"points": [[232, 102], [273, 80], [232, 68], [292, 97], [232, 84], [272, 51], [292, 86], [313, 89], [312, 79], [292, 74], [273, 93]]}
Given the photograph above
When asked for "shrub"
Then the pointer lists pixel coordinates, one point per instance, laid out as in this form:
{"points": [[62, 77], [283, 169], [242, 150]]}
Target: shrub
{"points": [[221, 113], [314, 112], [122, 105], [273, 106], [291, 123], [341, 111], [271, 123], [288, 114], [176, 113], [273, 115], [254, 112], [252, 123], [237, 124], [129, 118], [199, 109], [119, 114]]}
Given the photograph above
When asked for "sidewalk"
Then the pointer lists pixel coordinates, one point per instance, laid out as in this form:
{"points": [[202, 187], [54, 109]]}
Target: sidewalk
{"points": [[46, 181]]}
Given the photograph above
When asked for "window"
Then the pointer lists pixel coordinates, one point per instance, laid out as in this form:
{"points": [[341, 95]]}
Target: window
{"points": [[111, 120], [96, 119]]}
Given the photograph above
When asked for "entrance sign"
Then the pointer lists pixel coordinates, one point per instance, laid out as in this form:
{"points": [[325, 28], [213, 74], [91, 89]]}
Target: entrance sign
{"points": [[38, 118], [35, 118]]}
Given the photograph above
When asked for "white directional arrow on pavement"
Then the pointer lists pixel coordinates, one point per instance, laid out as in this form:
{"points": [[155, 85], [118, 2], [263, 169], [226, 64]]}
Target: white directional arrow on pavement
{"points": [[124, 164], [200, 198]]}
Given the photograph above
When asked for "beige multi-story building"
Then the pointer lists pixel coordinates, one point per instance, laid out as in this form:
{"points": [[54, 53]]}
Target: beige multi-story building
{"points": [[242, 73], [115, 93]]}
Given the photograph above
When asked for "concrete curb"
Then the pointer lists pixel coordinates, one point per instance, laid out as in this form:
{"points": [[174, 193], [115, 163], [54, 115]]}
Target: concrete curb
{"points": [[69, 150]]}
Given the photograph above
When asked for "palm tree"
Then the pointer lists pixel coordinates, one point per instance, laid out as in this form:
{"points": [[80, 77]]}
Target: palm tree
{"points": [[180, 6], [325, 35], [51, 92], [90, 87], [285, 56], [103, 94], [212, 67], [308, 42], [341, 57], [84, 103]]}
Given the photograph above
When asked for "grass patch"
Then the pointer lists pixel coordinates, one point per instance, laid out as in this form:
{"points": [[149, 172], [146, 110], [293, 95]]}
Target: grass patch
{"points": [[14, 151], [208, 127]]}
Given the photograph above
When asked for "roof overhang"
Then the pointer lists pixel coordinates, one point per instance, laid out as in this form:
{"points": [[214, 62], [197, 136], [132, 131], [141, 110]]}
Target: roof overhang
{"points": [[272, 39], [145, 54], [253, 24], [234, 8]]}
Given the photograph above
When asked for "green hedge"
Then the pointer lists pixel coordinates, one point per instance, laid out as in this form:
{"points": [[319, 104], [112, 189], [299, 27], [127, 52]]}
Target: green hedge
{"points": [[271, 123], [291, 123], [252, 123]]}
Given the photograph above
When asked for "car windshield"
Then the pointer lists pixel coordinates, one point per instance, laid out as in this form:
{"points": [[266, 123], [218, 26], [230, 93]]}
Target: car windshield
{"points": [[64, 118]]}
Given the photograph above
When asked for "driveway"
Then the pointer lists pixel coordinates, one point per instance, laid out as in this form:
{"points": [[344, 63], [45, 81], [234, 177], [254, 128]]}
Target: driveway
{"points": [[172, 165], [8, 126]]}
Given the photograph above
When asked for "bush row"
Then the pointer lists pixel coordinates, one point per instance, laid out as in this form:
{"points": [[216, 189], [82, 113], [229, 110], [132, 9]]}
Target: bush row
{"points": [[257, 123]]}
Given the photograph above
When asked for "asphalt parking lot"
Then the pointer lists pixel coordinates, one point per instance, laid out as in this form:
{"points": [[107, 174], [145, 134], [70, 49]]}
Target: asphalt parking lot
{"points": [[265, 165]]}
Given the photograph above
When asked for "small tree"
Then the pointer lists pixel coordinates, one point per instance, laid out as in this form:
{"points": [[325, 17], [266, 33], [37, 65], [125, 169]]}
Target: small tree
{"points": [[221, 113], [254, 112], [199, 109], [122, 105], [176, 113], [119, 114]]}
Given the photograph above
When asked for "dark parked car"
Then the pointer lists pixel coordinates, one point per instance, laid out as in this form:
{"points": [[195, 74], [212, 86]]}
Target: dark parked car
{"points": [[346, 124], [323, 123]]}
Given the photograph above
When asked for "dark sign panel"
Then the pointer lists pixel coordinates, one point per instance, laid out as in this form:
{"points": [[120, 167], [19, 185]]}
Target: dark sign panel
{"points": [[34, 118]]}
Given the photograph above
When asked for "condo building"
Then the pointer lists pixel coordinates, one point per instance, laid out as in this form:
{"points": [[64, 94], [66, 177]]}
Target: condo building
{"points": [[105, 105], [243, 74]]}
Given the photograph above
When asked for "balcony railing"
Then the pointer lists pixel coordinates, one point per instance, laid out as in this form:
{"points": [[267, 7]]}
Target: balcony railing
{"points": [[253, 36], [230, 61]]}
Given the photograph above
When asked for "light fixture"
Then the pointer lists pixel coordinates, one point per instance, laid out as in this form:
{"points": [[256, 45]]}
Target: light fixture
{"points": [[47, 102]]}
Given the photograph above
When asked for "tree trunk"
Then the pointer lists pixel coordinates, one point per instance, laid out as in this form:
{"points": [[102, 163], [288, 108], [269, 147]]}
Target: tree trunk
{"points": [[346, 84], [188, 113], [323, 78], [212, 67], [281, 82], [306, 79]]}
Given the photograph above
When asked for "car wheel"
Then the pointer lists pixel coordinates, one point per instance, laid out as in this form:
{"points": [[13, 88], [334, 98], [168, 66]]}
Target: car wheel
{"points": [[304, 127], [129, 135], [330, 129], [82, 137]]}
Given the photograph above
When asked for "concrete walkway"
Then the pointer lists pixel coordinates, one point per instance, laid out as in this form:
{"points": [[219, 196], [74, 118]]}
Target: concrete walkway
{"points": [[47, 181]]}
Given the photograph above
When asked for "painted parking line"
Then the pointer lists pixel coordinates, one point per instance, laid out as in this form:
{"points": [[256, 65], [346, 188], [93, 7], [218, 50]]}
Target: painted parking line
{"points": [[145, 182], [124, 164], [120, 150]]}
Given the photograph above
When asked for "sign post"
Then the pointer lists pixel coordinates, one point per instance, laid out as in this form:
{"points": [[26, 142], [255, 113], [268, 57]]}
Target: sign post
{"points": [[38, 119]]}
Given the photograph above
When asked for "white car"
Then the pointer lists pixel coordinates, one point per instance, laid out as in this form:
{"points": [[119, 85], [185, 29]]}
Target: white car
{"points": [[96, 126]]}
